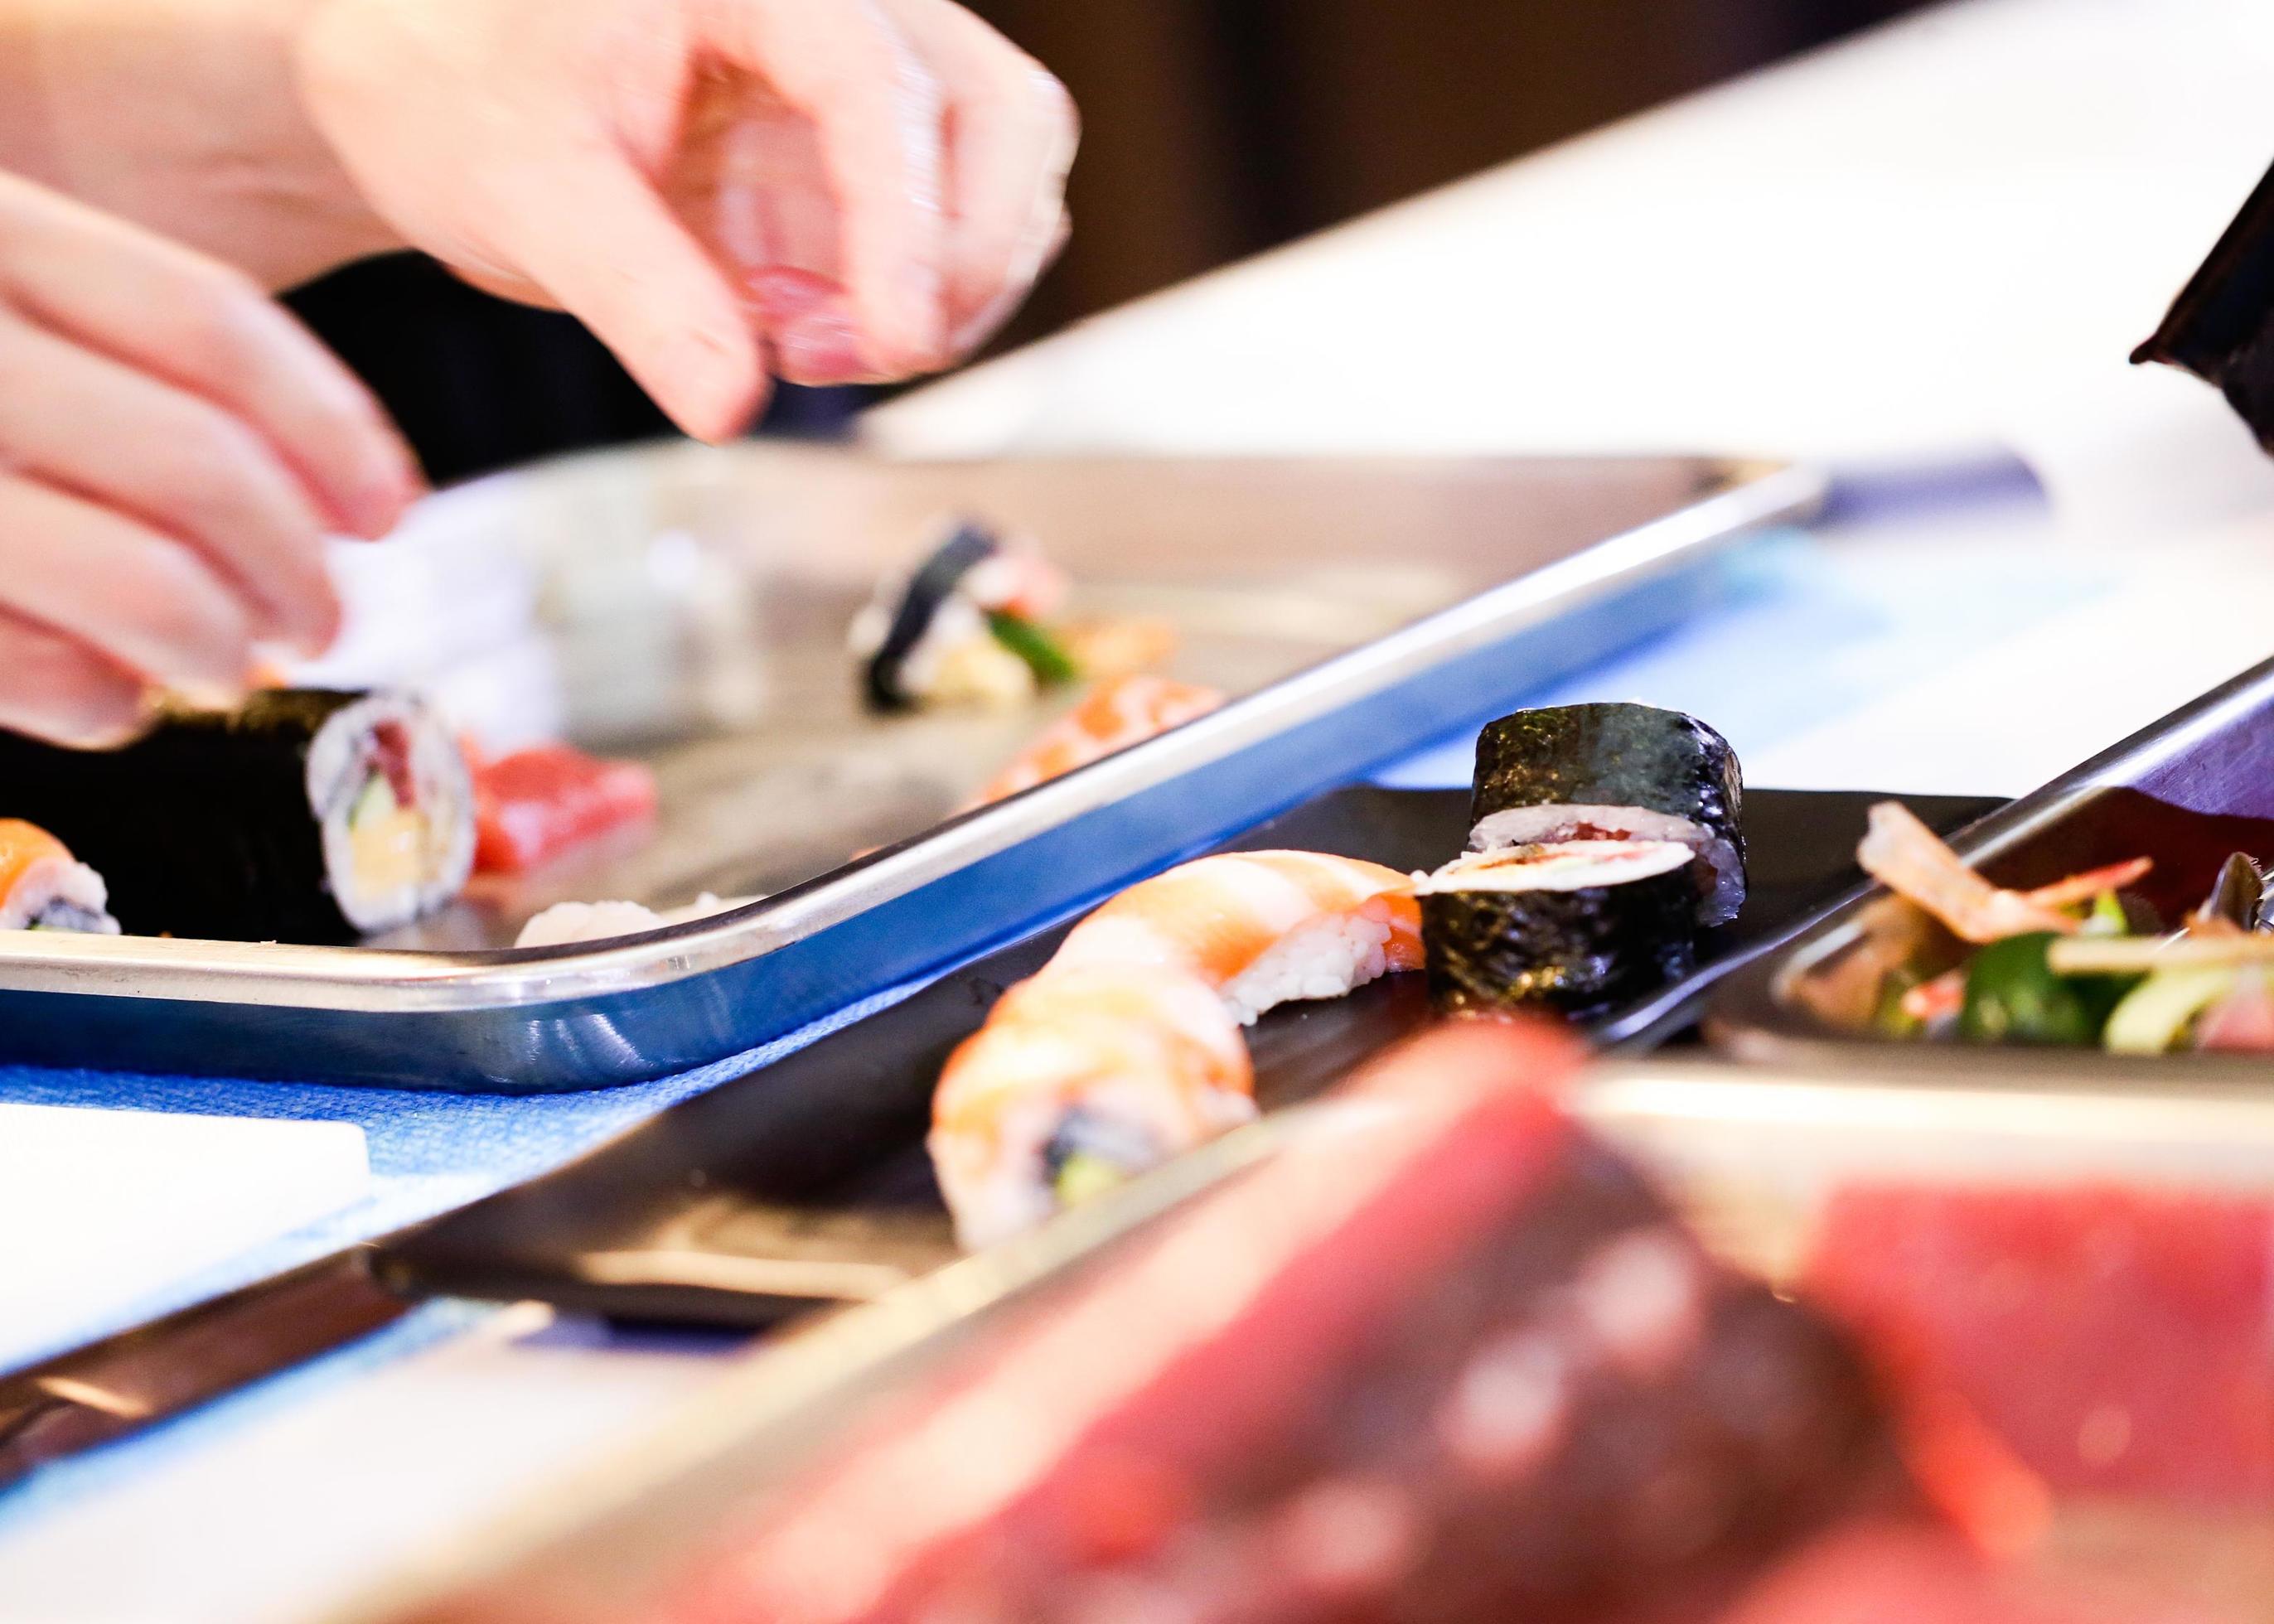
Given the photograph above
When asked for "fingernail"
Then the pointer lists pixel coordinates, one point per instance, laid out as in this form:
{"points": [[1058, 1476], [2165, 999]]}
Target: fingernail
{"points": [[819, 349]]}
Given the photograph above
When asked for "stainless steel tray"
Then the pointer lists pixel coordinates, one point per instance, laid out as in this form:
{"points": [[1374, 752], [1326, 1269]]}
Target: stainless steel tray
{"points": [[2187, 791], [1751, 1156], [697, 605]]}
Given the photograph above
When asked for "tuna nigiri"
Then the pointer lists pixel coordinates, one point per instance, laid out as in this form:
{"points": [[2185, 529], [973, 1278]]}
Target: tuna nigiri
{"points": [[1261, 927]]}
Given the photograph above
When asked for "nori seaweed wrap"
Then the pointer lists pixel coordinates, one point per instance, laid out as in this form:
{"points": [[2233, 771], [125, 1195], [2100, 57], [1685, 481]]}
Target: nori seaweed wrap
{"points": [[1615, 771], [1575, 928], [912, 617], [305, 815]]}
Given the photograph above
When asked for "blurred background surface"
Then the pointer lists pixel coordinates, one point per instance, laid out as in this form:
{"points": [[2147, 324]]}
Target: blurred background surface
{"points": [[1213, 128]]}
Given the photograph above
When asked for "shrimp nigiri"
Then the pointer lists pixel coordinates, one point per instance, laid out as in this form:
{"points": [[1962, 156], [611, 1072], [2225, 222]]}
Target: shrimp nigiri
{"points": [[1261, 928], [1081, 1080]]}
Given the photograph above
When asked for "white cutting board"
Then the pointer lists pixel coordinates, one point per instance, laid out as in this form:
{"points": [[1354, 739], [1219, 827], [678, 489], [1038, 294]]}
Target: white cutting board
{"points": [[100, 1209]]}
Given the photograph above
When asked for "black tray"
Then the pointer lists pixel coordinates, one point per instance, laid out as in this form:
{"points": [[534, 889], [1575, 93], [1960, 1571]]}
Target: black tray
{"points": [[807, 1183]]}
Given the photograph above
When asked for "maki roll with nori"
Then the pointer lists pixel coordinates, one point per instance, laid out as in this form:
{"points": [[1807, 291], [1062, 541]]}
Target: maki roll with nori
{"points": [[967, 628], [1617, 772], [304, 815], [1575, 928]]}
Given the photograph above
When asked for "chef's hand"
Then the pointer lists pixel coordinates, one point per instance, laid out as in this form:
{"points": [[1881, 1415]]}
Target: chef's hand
{"points": [[829, 188], [173, 448]]}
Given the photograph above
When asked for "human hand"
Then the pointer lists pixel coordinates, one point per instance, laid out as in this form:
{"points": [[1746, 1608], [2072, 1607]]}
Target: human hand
{"points": [[173, 449], [827, 190]]}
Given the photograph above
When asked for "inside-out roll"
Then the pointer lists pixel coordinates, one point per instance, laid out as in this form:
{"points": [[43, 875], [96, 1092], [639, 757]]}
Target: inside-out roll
{"points": [[1574, 927], [1620, 772]]}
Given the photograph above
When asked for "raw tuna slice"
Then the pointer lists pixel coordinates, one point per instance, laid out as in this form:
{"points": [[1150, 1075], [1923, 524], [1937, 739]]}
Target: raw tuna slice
{"points": [[1892, 1573], [535, 804], [1455, 1361], [2117, 1340]]}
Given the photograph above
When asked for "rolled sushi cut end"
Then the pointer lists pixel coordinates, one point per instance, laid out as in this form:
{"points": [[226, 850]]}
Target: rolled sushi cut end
{"points": [[1574, 927], [43, 887], [395, 803], [1620, 772]]}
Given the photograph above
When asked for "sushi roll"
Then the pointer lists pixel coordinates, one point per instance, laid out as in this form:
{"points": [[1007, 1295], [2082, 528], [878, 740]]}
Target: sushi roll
{"points": [[965, 628], [43, 887], [1574, 927], [1082, 1078], [1615, 772], [304, 815]]}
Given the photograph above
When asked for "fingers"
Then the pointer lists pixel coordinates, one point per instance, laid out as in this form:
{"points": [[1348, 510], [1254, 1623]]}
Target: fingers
{"points": [[161, 309], [975, 330], [178, 462], [138, 600], [608, 249], [876, 110], [1012, 133], [61, 690]]}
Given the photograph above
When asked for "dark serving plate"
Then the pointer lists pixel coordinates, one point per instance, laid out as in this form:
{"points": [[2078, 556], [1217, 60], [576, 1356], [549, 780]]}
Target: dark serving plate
{"points": [[807, 1183], [2187, 791]]}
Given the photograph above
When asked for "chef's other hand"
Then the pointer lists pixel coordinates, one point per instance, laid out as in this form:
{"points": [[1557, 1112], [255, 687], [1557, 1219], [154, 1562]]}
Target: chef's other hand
{"points": [[173, 448], [830, 189]]}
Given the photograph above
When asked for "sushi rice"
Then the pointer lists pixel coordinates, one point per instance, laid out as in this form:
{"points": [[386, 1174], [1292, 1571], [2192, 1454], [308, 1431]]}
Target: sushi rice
{"points": [[1555, 825], [1324, 959]]}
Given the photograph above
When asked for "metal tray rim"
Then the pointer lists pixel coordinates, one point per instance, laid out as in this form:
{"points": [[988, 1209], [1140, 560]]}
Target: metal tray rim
{"points": [[1759, 492], [1750, 1017]]}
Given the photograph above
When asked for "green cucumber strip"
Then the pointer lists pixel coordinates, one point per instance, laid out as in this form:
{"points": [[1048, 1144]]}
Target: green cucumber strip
{"points": [[2154, 1015], [377, 796], [1044, 655]]}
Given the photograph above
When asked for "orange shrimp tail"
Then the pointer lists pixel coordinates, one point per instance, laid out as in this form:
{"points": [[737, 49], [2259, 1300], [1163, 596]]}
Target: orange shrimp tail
{"points": [[22, 845]]}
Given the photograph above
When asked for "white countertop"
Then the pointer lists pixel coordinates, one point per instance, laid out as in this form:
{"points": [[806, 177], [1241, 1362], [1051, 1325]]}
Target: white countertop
{"points": [[1942, 237]]}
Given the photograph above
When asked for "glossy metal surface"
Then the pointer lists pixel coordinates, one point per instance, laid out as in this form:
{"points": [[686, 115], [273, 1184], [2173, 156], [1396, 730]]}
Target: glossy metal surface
{"points": [[1359, 608]]}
